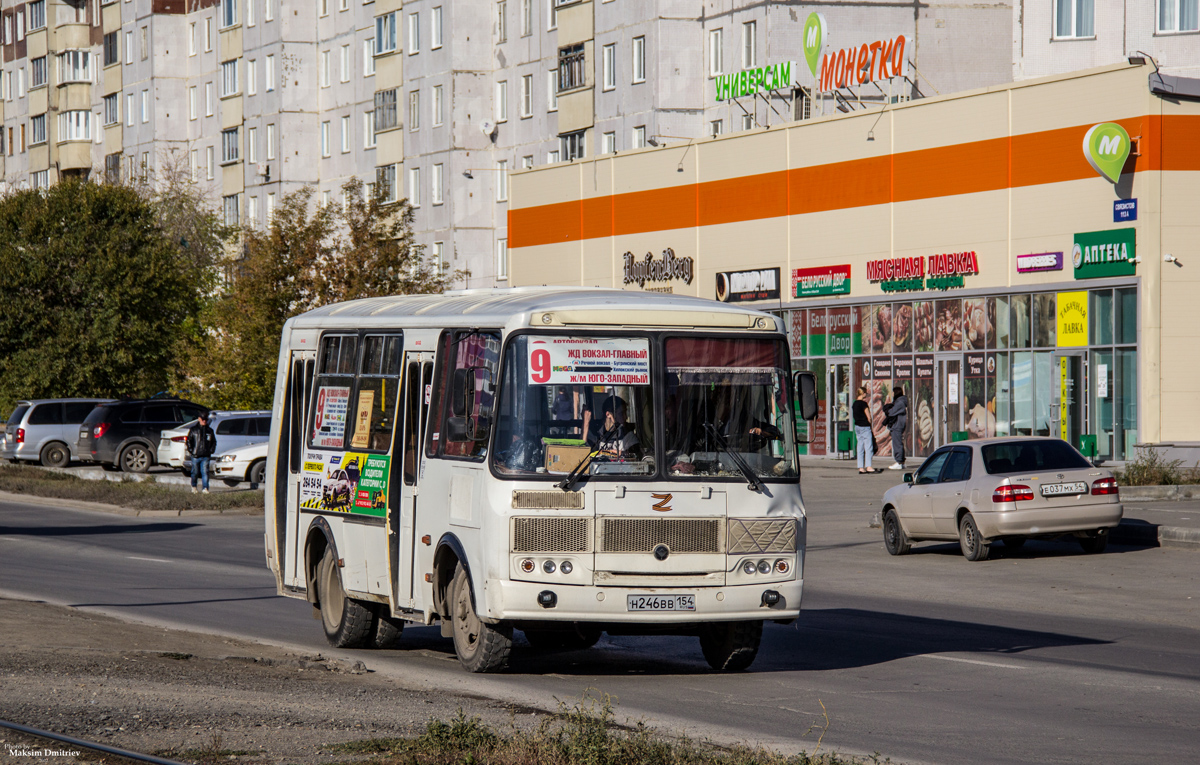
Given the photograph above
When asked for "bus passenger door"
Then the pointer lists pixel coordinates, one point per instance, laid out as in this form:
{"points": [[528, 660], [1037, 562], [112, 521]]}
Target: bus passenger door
{"points": [[402, 547], [289, 467]]}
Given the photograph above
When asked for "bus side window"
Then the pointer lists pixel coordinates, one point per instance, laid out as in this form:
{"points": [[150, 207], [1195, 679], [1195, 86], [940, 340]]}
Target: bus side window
{"points": [[433, 439], [412, 420], [473, 350], [330, 417], [378, 389]]}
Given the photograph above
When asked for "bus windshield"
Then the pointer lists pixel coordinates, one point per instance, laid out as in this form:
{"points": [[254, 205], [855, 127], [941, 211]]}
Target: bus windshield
{"points": [[563, 397], [727, 399]]}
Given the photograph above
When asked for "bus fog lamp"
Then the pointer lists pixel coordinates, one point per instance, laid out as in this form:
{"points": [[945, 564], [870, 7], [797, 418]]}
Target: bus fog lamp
{"points": [[764, 567], [548, 567], [749, 567], [566, 567]]}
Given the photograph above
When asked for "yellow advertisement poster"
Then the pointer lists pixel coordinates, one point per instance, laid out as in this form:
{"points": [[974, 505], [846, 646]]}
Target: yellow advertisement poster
{"points": [[362, 423], [1072, 319]]}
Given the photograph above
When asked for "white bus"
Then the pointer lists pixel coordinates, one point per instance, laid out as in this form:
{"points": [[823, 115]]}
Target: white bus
{"points": [[561, 461]]}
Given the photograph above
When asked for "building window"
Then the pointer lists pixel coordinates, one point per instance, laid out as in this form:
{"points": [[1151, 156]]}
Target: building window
{"points": [[502, 258], [192, 106], [268, 10], [230, 145], [229, 78], [270, 203], [385, 109], [552, 15], [37, 128], [129, 110], [502, 181], [715, 66], [526, 95], [112, 167], [435, 185], [324, 8], [324, 69], [438, 116], [572, 145], [72, 126], [749, 49], [639, 59], [414, 109], [552, 91], [345, 64], [385, 33], [112, 54], [21, 23], [269, 73], [716, 127], [230, 206], [271, 141], [502, 21], [1075, 18], [747, 122], [526, 18], [252, 145], [609, 62], [129, 47], [369, 129], [527, 162], [208, 35], [210, 164], [639, 137], [40, 179], [502, 101], [414, 33], [145, 106], [112, 109], [37, 14], [192, 39], [252, 205], [229, 13], [571, 73], [194, 163], [75, 66], [1173, 16], [435, 28], [325, 138], [208, 99], [610, 144], [252, 77], [387, 175], [250, 13], [368, 57], [437, 255], [803, 104], [345, 134], [37, 72]]}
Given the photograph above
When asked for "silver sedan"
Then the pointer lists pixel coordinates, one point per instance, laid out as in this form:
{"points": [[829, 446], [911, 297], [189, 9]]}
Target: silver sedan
{"points": [[1010, 489]]}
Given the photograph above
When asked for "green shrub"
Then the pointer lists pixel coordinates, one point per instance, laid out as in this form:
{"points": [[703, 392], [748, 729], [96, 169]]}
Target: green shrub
{"points": [[1152, 469]]}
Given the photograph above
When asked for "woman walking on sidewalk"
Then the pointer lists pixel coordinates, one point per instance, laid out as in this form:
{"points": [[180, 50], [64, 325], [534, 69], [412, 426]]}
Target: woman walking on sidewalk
{"points": [[862, 432]]}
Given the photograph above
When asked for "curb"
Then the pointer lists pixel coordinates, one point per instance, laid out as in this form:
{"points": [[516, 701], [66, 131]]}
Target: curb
{"points": [[100, 507], [1132, 532]]}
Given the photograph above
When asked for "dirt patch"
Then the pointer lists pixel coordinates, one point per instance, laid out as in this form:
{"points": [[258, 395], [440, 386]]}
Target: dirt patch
{"points": [[198, 697]]}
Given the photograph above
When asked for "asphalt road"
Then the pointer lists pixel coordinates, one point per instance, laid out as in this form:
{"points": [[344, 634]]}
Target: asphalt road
{"points": [[1043, 655]]}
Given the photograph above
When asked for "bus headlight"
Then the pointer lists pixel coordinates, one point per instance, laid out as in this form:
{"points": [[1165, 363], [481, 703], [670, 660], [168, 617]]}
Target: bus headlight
{"points": [[749, 567], [764, 567], [548, 567], [566, 567]]}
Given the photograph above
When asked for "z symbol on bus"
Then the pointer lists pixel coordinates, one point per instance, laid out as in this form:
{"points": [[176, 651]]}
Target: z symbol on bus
{"points": [[664, 502]]}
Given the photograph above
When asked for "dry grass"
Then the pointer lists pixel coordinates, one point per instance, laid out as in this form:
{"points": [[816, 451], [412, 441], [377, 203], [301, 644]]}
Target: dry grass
{"points": [[139, 495]]}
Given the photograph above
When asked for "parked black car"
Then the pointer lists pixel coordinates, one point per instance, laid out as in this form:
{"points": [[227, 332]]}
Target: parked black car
{"points": [[123, 435]]}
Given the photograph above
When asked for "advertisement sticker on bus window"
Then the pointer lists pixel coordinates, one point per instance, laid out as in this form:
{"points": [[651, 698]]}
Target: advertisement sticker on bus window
{"points": [[589, 360], [329, 430], [346, 483], [311, 479], [362, 423]]}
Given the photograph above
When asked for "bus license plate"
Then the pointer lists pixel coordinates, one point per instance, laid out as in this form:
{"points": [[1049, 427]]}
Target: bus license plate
{"points": [[1058, 489], [660, 602]]}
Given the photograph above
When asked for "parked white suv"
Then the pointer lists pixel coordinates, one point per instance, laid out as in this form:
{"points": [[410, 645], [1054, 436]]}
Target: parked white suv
{"points": [[233, 429]]}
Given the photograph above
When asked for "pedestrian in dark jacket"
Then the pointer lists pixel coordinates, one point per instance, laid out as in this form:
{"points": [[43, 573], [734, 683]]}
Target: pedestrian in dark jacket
{"points": [[201, 443], [897, 411]]}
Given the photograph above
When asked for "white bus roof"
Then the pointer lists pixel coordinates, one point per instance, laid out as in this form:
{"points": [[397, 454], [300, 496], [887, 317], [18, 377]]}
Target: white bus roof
{"points": [[538, 306]]}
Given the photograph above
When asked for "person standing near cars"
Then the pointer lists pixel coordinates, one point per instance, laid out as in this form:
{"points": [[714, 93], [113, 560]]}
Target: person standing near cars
{"points": [[897, 421], [201, 443], [862, 432]]}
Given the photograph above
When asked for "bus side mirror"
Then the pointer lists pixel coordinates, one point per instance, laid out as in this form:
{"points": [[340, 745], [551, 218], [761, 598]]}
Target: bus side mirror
{"points": [[806, 386]]}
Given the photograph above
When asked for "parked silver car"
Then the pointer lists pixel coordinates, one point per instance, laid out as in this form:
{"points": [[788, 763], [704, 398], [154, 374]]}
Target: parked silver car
{"points": [[45, 430], [233, 429], [1010, 489]]}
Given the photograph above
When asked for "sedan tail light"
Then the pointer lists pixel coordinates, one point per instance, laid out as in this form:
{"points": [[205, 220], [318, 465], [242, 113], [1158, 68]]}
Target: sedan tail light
{"points": [[100, 429], [20, 435], [1105, 486], [1012, 493], [179, 439]]}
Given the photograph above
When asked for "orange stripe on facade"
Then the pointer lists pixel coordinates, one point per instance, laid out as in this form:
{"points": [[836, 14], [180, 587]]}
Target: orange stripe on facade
{"points": [[1032, 159]]}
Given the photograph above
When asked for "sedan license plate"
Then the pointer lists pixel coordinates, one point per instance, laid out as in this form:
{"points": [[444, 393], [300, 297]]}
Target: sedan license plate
{"points": [[1059, 489], [660, 602]]}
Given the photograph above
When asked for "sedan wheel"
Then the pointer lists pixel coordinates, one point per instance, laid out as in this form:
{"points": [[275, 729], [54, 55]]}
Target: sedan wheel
{"points": [[136, 459], [257, 473], [1094, 544], [894, 538], [974, 546]]}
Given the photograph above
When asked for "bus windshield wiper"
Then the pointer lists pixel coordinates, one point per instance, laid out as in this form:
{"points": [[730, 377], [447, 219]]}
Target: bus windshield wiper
{"points": [[756, 483], [568, 483]]}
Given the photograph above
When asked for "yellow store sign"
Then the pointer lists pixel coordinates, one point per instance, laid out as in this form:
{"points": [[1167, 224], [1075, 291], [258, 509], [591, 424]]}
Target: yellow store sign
{"points": [[1072, 319]]}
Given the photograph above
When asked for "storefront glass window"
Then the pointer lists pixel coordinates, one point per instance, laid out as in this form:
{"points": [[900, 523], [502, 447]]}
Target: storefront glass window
{"points": [[1022, 393], [1125, 404], [1019, 335], [923, 326], [797, 337], [922, 405], [949, 334], [1101, 312], [1041, 395], [976, 326], [1003, 395], [817, 431], [999, 310], [841, 328], [1102, 390], [902, 327], [816, 331], [1044, 320], [1127, 315], [867, 316]]}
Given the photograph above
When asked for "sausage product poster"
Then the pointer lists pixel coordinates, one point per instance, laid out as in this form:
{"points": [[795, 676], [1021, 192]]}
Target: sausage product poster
{"points": [[589, 360], [329, 427]]}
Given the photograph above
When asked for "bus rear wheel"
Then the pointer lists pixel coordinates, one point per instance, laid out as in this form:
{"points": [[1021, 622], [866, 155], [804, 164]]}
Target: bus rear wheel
{"points": [[347, 622], [730, 646], [481, 647]]}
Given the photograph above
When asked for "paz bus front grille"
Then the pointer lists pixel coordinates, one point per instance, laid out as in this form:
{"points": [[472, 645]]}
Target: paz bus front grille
{"points": [[551, 535], [642, 535]]}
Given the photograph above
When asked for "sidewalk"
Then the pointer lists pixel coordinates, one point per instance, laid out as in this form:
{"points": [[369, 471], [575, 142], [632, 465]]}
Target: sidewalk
{"points": [[1155, 516]]}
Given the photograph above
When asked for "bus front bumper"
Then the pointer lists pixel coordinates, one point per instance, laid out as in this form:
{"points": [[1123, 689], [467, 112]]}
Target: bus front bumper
{"points": [[519, 601]]}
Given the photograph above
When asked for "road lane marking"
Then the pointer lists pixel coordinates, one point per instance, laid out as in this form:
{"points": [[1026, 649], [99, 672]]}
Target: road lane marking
{"points": [[152, 560], [969, 661]]}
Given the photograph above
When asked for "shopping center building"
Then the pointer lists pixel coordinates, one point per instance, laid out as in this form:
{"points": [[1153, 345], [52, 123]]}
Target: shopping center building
{"points": [[1022, 259]]}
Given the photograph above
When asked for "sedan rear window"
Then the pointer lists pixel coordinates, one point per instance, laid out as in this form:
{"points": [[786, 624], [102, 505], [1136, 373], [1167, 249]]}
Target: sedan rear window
{"points": [[1024, 456]]}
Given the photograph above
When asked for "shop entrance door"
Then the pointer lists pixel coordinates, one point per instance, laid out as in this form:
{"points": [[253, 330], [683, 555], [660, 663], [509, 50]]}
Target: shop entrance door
{"points": [[1068, 394], [949, 398], [839, 406]]}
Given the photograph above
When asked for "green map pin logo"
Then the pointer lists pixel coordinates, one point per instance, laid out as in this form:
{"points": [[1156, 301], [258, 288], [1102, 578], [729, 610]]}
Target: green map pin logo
{"points": [[1106, 147], [814, 40]]}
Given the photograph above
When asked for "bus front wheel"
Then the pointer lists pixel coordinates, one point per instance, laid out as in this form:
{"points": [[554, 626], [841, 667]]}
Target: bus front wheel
{"points": [[347, 622], [730, 646], [481, 647]]}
